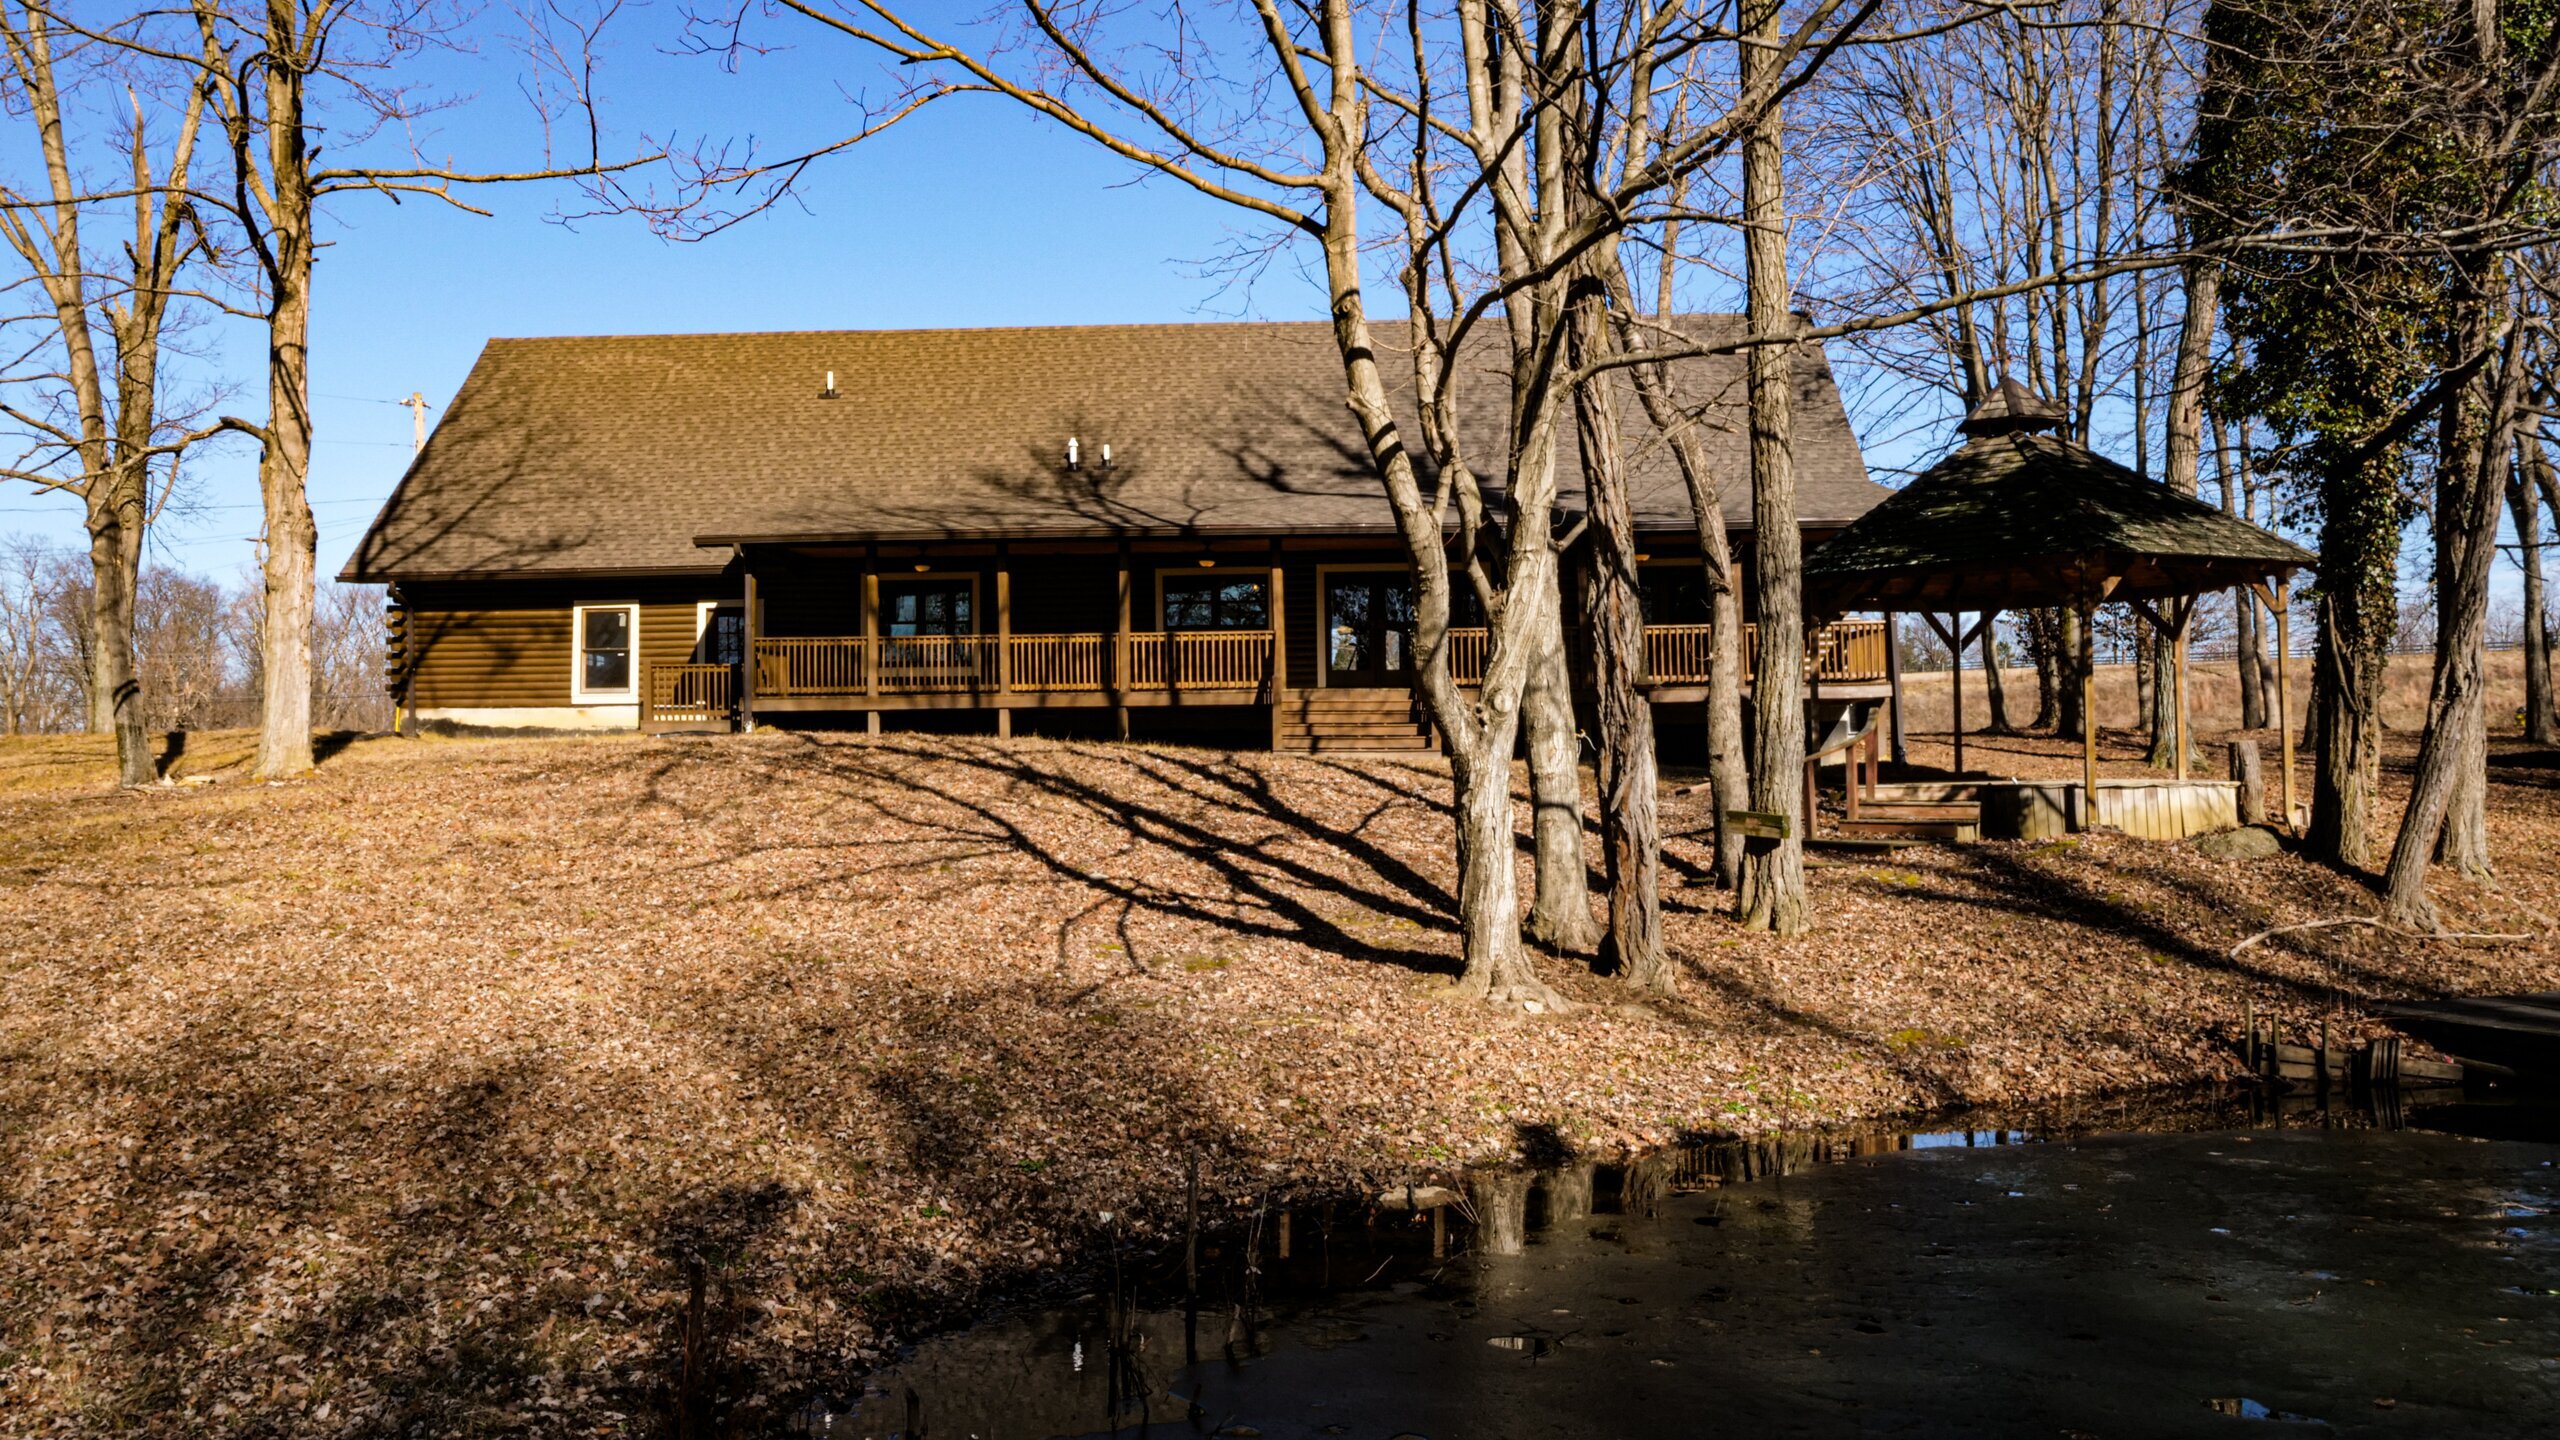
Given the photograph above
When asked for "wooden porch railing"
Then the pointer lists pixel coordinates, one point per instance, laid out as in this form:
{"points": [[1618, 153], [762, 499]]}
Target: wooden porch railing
{"points": [[687, 695], [834, 666], [1852, 650], [1061, 662], [1678, 654], [809, 665], [1199, 659], [936, 664], [1468, 648], [1845, 650]]}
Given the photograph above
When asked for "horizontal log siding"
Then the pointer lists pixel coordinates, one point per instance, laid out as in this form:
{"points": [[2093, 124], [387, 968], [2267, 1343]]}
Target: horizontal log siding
{"points": [[484, 645]]}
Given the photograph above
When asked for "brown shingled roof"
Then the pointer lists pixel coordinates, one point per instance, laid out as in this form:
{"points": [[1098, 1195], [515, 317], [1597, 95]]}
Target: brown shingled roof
{"points": [[619, 453], [2019, 520]]}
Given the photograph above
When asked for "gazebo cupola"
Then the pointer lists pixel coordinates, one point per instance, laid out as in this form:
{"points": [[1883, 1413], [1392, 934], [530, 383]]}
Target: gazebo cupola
{"points": [[2011, 409]]}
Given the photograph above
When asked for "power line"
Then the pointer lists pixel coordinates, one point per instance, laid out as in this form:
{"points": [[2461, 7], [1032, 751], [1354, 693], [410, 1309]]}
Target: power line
{"points": [[359, 399]]}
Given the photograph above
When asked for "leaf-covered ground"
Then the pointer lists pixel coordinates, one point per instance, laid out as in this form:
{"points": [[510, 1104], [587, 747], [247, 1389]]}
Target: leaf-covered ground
{"points": [[393, 1100]]}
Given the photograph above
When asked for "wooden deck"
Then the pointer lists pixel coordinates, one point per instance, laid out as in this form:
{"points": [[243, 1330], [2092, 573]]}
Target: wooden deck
{"points": [[2505, 1034]]}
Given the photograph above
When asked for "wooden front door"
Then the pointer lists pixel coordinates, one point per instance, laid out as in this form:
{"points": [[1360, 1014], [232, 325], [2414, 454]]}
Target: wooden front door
{"points": [[1368, 629]]}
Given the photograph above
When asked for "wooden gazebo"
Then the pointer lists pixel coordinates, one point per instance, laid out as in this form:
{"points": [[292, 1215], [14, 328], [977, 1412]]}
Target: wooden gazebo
{"points": [[2020, 518]]}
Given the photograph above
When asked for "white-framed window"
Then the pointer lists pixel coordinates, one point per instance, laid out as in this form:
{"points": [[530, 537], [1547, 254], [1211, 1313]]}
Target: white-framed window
{"points": [[605, 661]]}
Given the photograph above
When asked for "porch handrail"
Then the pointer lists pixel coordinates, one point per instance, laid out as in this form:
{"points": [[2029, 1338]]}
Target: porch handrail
{"points": [[687, 694], [799, 665], [1080, 661], [936, 664], [1845, 650], [1468, 646], [813, 666], [1680, 654], [1199, 659]]}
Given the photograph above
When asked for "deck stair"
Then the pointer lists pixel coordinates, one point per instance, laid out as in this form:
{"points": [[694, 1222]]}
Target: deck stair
{"points": [[1951, 821], [1337, 722]]}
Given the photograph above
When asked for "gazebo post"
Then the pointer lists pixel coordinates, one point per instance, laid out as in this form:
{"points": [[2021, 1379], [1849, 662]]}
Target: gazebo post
{"points": [[1953, 633], [2277, 595], [1955, 681], [2088, 715], [2178, 643]]}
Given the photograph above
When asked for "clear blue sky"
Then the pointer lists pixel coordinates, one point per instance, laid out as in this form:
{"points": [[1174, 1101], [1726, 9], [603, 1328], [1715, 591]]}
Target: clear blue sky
{"points": [[969, 214]]}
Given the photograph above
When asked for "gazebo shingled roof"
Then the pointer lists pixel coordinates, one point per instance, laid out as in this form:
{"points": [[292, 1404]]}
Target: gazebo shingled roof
{"points": [[2017, 519]]}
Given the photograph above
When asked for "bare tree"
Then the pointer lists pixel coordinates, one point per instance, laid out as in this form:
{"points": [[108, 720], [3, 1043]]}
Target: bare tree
{"points": [[1772, 894], [38, 690], [1459, 131], [90, 413], [1967, 165], [2528, 482], [346, 659], [284, 73], [1613, 621]]}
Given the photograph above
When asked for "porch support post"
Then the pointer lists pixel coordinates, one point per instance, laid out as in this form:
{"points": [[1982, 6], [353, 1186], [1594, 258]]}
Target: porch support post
{"points": [[747, 671], [408, 700], [871, 637], [1004, 644], [1279, 645], [1120, 651]]}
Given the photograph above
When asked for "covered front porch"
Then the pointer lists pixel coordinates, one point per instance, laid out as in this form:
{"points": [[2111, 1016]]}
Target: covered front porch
{"points": [[1301, 632]]}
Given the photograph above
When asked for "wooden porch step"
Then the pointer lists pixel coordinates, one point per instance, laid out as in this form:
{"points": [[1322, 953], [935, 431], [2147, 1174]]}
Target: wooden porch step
{"points": [[1903, 811], [1380, 725], [1359, 745], [1960, 831], [1350, 711]]}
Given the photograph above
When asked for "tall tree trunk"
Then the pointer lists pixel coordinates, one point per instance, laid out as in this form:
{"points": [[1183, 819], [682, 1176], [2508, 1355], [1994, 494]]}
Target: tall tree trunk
{"points": [[2360, 517], [2068, 719], [1772, 895], [1993, 686], [1560, 914], [1481, 731], [2184, 444], [2250, 638], [2532, 462], [284, 466], [2044, 644], [1613, 613], [2446, 815], [116, 514], [1728, 775]]}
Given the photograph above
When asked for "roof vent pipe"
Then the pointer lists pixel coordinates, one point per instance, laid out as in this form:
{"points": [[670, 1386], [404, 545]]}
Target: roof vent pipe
{"points": [[829, 393], [1073, 461], [1106, 457]]}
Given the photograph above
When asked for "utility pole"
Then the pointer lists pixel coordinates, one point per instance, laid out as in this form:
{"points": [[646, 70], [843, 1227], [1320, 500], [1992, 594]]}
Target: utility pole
{"points": [[417, 403]]}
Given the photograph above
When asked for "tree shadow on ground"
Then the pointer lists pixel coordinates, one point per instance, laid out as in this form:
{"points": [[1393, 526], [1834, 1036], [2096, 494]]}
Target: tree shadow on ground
{"points": [[1244, 844]]}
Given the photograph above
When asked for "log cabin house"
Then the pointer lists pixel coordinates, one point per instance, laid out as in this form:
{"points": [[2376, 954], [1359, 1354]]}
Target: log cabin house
{"points": [[1171, 530]]}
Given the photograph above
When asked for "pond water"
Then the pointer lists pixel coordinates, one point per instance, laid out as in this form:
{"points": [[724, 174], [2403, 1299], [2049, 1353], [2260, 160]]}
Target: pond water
{"points": [[2225, 1268]]}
